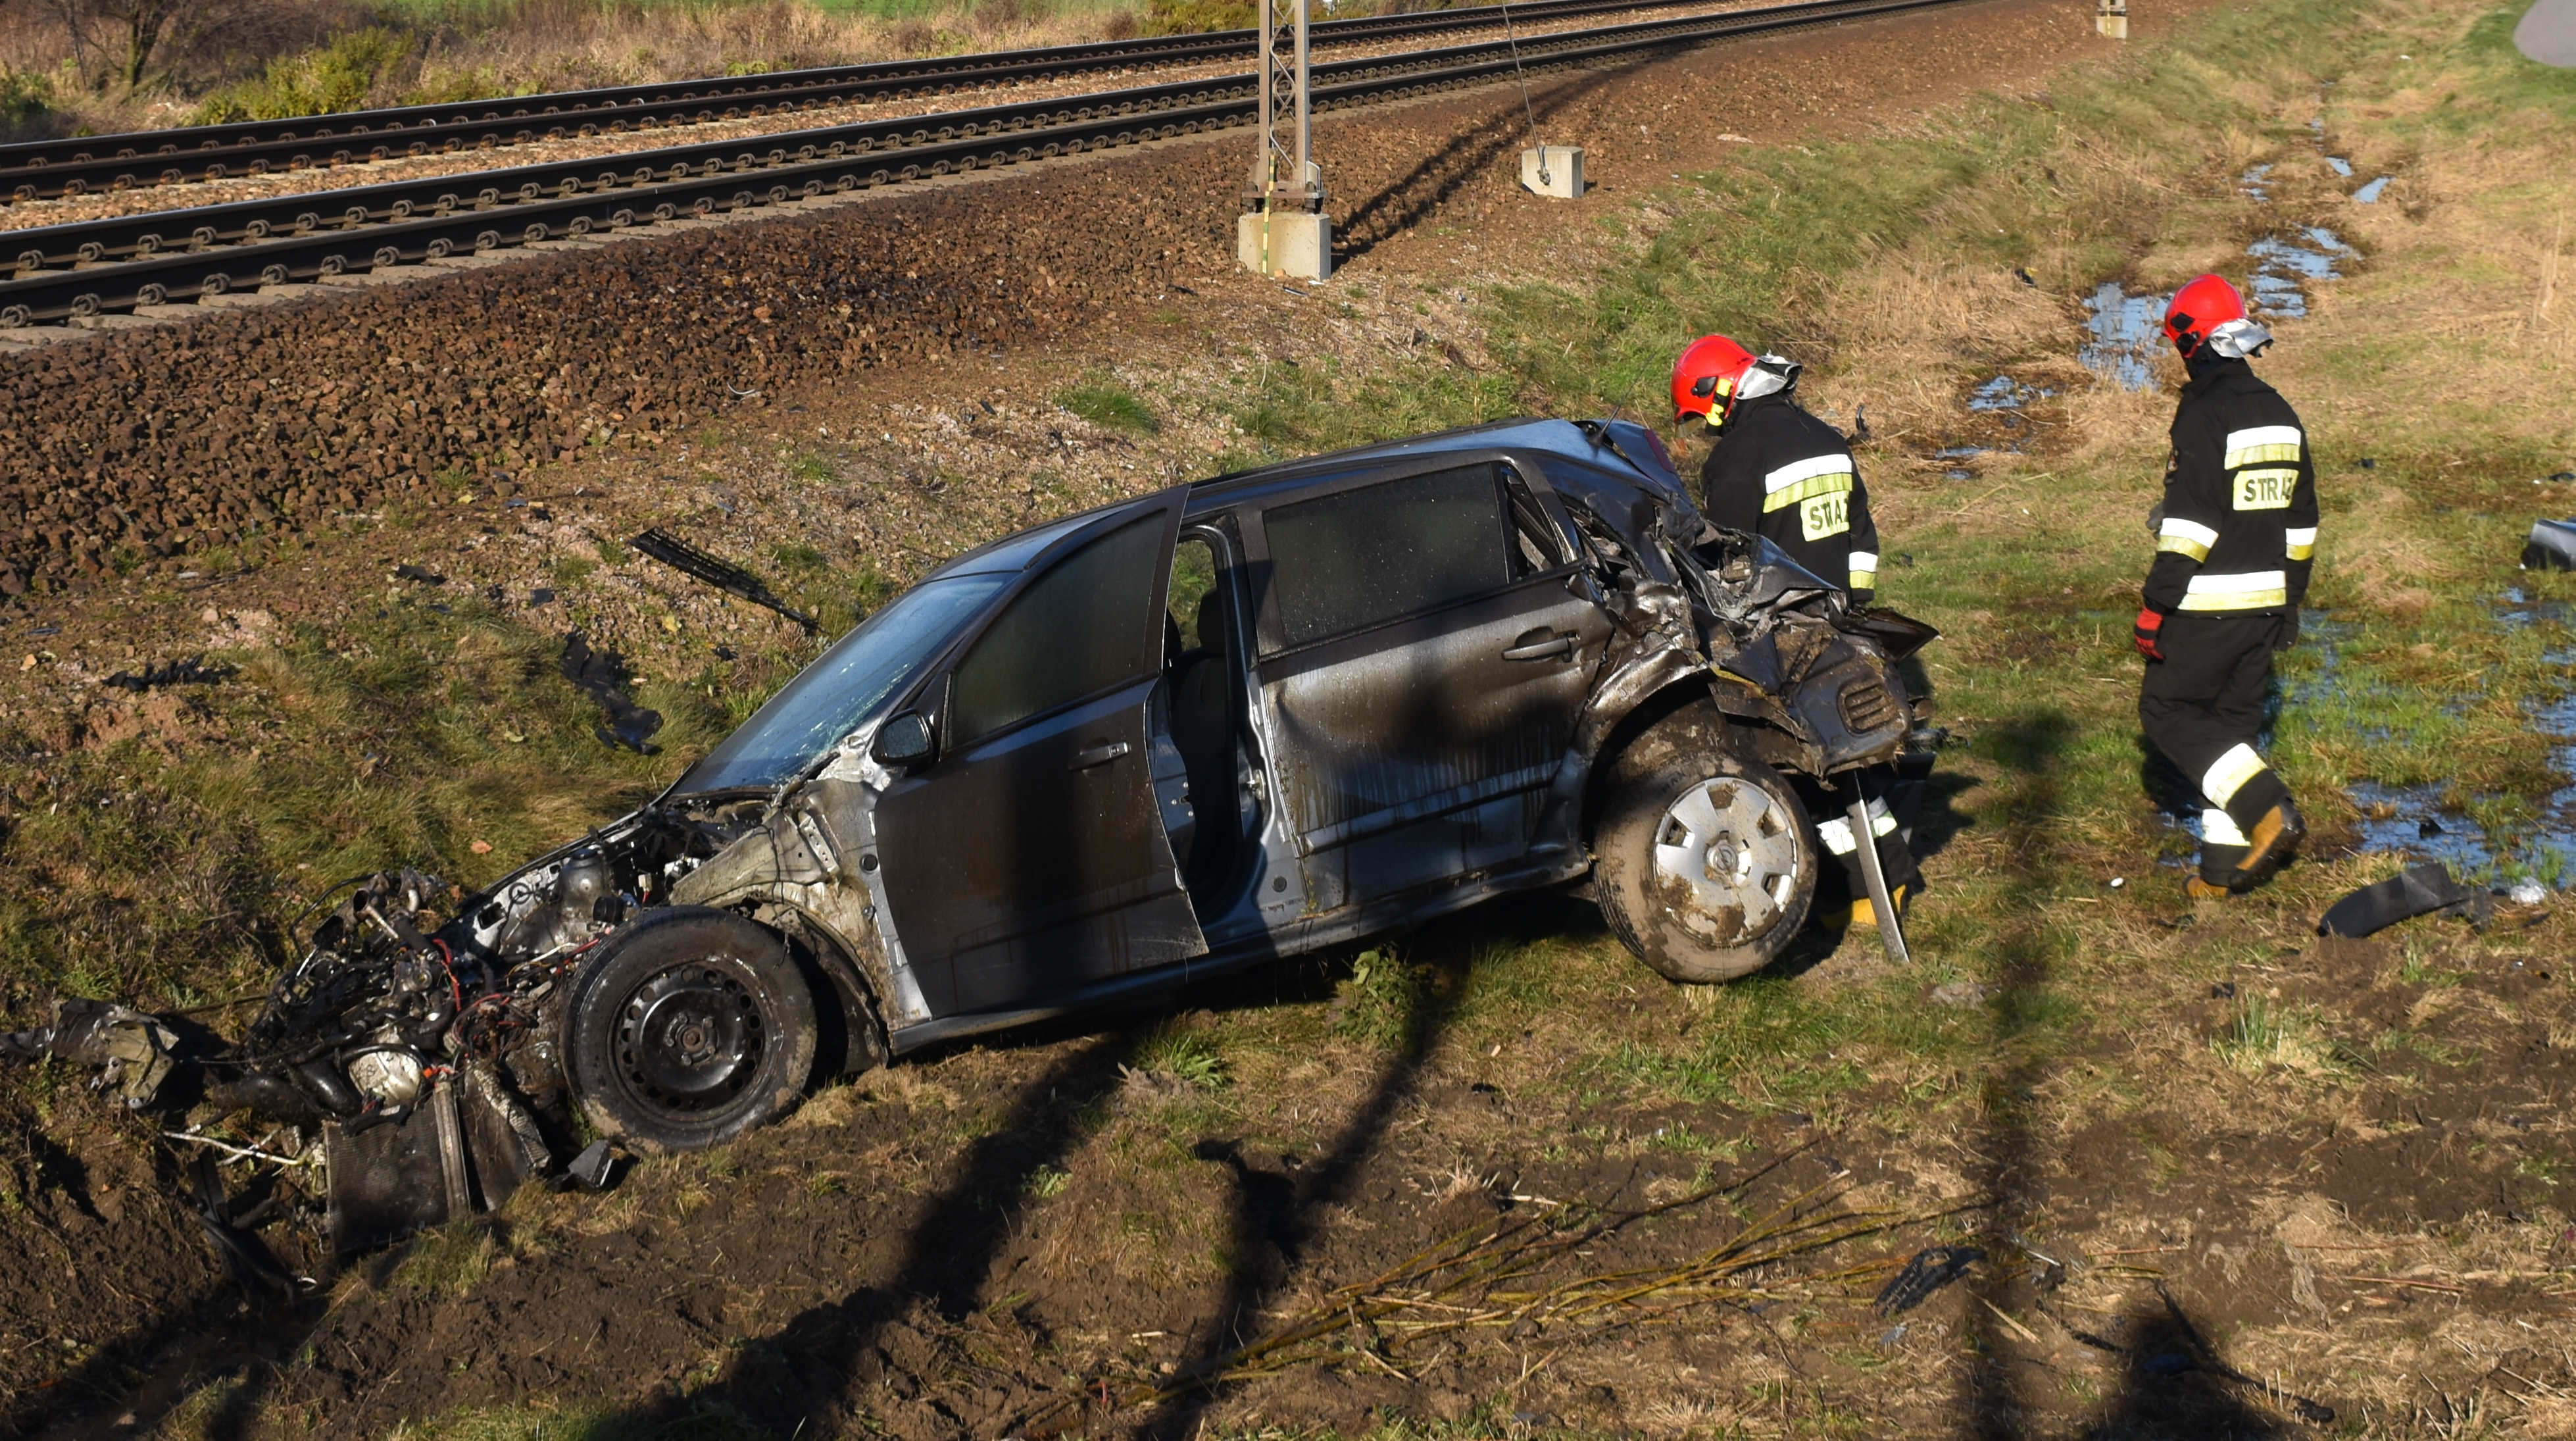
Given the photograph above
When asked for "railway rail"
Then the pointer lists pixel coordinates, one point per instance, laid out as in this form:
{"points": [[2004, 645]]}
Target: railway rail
{"points": [[55, 168], [127, 262]]}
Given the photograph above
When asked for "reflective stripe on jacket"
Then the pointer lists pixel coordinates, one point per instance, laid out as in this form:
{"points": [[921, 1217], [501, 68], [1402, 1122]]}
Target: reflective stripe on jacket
{"points": [[2237, 532], [1785, 475]]}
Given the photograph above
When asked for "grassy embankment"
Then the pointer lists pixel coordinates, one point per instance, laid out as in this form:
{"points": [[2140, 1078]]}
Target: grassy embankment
{"points": [[1888, 265]]}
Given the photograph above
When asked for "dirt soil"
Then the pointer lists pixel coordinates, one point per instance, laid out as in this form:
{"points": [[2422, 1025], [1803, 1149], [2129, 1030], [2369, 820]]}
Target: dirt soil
{"points": [[1038, 1235]]}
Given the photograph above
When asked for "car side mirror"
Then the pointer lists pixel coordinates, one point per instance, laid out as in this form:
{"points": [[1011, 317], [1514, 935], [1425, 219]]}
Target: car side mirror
{"points": [[906, 740]]}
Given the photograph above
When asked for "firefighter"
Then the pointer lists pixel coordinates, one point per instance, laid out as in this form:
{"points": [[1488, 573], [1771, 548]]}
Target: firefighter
{"points": [[2235, 537], [1788, 477], [1775, 470]]}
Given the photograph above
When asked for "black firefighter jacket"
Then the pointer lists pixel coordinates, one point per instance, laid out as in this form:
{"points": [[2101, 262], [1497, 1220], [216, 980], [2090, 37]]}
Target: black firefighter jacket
{"points": [[1786, 476], [2238, 527]]}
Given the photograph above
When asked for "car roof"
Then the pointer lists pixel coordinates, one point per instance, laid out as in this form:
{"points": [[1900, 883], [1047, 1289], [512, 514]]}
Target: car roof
{"points": [[1019, 549], [1563, 437]]}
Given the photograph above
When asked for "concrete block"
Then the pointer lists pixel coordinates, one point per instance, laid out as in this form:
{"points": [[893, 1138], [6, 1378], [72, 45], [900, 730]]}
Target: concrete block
{"points": [[1289, 244], [2111, 19], [1563, 165]]}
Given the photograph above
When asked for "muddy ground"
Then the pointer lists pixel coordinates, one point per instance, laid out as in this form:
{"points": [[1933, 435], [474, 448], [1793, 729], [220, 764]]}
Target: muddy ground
{"points": [[2273, 1174]]}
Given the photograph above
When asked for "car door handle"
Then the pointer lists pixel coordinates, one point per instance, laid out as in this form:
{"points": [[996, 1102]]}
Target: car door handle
{"points": [[1541, 645], [1099, 755]]}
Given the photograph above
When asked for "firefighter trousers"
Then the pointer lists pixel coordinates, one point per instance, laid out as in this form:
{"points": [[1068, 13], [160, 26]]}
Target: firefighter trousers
{"points": [[2202, 705], [1834, 828]]}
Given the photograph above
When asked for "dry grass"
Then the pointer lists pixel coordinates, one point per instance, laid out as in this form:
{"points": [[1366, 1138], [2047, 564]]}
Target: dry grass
{"points": [[261, 57]]}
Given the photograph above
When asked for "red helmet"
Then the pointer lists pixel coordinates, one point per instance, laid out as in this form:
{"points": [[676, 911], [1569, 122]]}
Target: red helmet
{"points": [[2210, 312], [1714, 372]]}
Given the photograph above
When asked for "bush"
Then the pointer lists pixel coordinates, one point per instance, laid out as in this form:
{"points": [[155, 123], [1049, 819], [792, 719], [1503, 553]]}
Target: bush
{"points": [[26, 100], [1193, 17], [340, 76]]}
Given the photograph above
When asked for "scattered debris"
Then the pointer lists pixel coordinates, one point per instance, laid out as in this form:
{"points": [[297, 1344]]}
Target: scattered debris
{"points": [[724, 575], [2526, 892], [1931, 1269], [419, 575], [2427, 889], [131, 1049], [2552, 546], [177, 672], [601, 675], [594, 1168]]}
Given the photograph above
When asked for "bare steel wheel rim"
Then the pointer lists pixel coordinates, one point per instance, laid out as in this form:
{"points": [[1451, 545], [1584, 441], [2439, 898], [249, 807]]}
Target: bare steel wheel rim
{"points": [[689, 1040], [1726, 860]]}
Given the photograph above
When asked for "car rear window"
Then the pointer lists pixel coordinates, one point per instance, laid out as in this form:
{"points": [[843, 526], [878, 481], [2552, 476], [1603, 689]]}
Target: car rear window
{"points": [[1082, 627], [1345, 562]]}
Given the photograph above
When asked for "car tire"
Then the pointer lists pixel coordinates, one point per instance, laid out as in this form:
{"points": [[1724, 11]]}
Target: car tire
{"points": [[688, 1029], [1704, 864]]}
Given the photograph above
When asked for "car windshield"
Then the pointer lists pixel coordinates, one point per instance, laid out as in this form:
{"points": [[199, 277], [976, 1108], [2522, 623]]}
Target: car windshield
{"points": [[834, 694]]}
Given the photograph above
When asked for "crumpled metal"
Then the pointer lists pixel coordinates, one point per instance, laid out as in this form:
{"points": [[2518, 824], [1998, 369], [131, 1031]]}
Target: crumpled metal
{"points": [[130, 1049]]}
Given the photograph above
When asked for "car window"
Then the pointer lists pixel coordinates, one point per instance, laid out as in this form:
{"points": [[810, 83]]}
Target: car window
{"points": [[829, 699], [1537, 545], [1079, 628], [1193, 576], [1344, 562]]}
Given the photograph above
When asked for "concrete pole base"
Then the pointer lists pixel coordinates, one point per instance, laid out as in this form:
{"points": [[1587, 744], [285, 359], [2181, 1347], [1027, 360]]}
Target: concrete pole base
{"points": [[2111, 19], [1555, 171], [1288, 244]]}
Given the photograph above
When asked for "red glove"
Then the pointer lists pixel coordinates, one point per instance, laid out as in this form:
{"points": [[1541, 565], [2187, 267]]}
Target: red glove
{"points": [[2149, 633]]}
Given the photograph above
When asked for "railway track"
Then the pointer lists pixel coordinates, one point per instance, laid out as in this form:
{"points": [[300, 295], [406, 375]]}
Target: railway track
{"points": [[56, 168], [120, 264]]}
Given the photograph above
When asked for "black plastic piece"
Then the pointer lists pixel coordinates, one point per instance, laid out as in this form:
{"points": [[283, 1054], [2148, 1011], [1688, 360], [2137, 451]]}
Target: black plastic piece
{"points": [[594, 1168], [2425, 890], [724, 575], [1931, 1269], [602, 676], [2552, 546]]}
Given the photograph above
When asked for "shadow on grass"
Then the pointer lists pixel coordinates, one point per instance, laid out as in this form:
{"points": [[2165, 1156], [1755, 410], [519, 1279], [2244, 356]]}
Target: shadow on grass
{"points": [[792, 1382], [2032, 809], [1278, 1214], [1414, 195], [2172, 1383]]}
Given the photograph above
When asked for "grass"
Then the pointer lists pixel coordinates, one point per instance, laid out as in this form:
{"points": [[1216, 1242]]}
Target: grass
{"points": [[168, 862], [1109, 405]]}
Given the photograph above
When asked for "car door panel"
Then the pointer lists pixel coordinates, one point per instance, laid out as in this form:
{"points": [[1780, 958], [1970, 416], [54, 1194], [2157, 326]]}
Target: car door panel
{"points": [[1416, 719], [1418, 750], [1032, 859]]}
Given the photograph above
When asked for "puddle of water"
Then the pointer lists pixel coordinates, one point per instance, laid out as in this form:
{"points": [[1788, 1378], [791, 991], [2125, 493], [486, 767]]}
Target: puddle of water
{"points": [[2123, 328], [2003, 393], [2342, 167], [1958, 452], [2369, 194], [2431, 823], [2412, 821], [2520, 612], [2252, 182], [2283, 266]]}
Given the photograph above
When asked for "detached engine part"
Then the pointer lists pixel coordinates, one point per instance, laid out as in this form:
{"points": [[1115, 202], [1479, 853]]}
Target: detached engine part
{"points": [[130, 1049]]}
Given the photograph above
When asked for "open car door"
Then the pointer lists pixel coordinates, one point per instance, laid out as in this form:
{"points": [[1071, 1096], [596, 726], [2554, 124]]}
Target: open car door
{"points": [[1027, 856]]}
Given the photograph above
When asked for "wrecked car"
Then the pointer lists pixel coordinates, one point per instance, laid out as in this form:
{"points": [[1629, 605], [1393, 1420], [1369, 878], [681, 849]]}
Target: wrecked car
{"points": [[1236, 720]]}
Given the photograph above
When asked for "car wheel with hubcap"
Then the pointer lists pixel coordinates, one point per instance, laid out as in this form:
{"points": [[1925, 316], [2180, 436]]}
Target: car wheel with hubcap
{"points": [[689, 1029], [1706, 869]]}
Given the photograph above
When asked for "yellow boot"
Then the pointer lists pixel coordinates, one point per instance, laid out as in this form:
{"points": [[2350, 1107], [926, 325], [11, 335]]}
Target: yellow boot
{"points": [[1865, 914]]}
